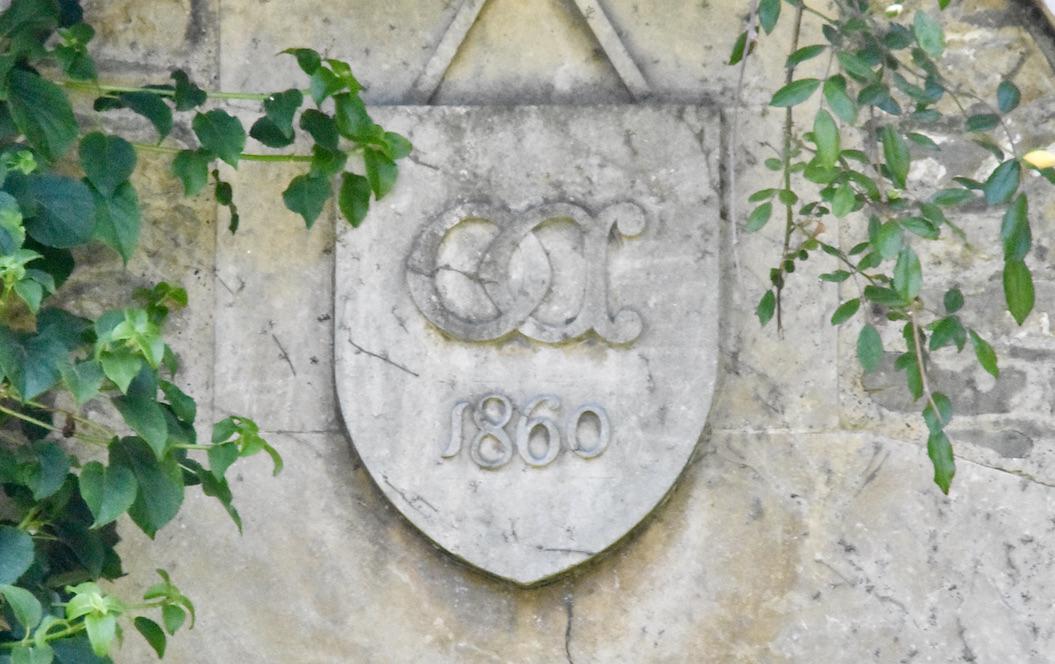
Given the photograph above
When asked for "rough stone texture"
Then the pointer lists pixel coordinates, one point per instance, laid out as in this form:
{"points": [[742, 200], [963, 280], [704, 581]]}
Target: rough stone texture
{"points": [[654, 259], [807, 530]]}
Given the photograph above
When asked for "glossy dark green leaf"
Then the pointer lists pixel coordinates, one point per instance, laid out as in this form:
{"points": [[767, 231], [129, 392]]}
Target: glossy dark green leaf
{"points": [[984, 352], [889, 240], [324, 83], [321, 127], [354, 198], [845, 311], [908, 274], [768, 14], [108, 492], [117, 219], [220, 133], [24, 605], [307, 195], [759, 217], [982, 122], [64, 211], [826, 138], [353, 121], [281, 107], [42, 113], [83, 379], [186, 94], [152, 107], [30, 363], [921, 227], [929, 34], [939, 449], [16, 554], [766, 307], [265, 131], [803, 54], [938, 419], [1018, 290], [381, 172], [896, 154], [221, 457], [183, 406], [948, 331], [107, 161], [160, 483], [308, 59], [869, 348], [1003, 182], [1015, 232], [192, 168], [739, 47], [153, 634], [953, 300], [855, 66], [795, 93], [50, 470], [844, 107], [1008, 96], [843, 201], [141, 411], [951, 197]]}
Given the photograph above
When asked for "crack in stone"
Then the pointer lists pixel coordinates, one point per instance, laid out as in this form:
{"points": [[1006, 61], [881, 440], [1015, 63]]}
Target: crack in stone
{"points": [[410, 501], [569, 608], [383, 357], [283, 354], [559, 550]]}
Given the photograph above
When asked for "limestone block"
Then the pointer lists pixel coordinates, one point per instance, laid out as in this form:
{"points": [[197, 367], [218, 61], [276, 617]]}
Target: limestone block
{"points": [[274, 306]]}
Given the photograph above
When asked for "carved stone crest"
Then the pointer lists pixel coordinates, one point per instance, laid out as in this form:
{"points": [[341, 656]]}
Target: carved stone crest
{"points": [[527, 327]]}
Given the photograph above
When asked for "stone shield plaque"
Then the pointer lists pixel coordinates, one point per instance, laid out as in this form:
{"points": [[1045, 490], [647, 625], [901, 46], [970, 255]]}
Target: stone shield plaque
{"points": [[526, 327]]}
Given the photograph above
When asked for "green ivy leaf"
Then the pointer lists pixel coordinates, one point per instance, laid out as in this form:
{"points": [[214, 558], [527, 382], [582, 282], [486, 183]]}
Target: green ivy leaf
{"points": [[192, 168], [869, 348], [795, 93], [152, 107], [117, 219], [280, 109], [183, 406], [321, 128], [897, 156], [65, 211], [766, 306], [929, 34], [768, 14], [306, 196], [151, 631], [759, 217], [108, 161], [939, 449], [984, 352], [953, 300], [24, 605], [803, 54], [42, 113], [121, 366], [948, 331], [908, 274], [83, 379], [845, 311], [220, 133], [839, 101], [308, 60], [49, 472], [381, 172], [141, 411], [1008, 96], [187, 95], [1015, 232], [160, 483], [30, 363], [937, 422], [173, 617], [826, 138], [267, 132], [1018, 289], [16, 554], [1002, 183], [221, 457], [354, 198], [108, 492]]}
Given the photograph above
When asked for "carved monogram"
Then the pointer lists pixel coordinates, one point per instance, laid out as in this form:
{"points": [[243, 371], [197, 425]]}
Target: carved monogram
{"points": [[517, 304]]}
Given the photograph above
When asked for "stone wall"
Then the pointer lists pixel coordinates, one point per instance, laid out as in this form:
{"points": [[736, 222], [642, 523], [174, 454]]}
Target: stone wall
{"points": [[806, 529]]}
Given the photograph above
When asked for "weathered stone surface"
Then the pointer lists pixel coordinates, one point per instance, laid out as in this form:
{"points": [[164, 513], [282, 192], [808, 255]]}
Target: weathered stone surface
{"points": [[784, 548], [579, 276]]}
